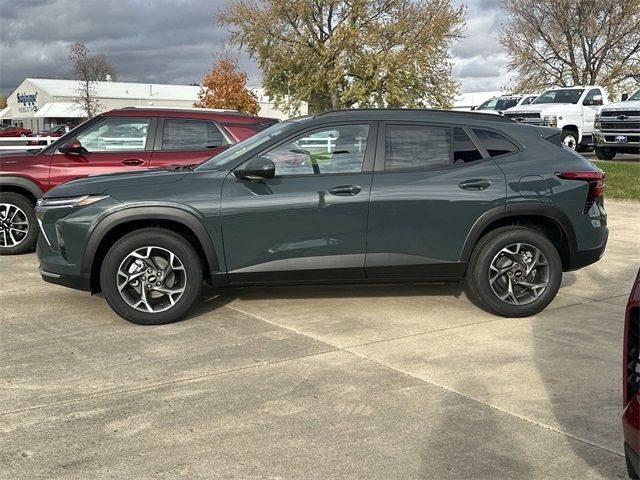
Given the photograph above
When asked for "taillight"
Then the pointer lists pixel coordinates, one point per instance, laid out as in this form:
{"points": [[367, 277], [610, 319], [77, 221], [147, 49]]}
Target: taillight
{"points": [[596, 184]]}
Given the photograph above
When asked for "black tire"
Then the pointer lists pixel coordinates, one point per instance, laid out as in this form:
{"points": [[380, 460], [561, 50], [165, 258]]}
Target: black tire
{"points": [[160, 239], [605, 153], [25, 243], [569, 138], [478, 287]]}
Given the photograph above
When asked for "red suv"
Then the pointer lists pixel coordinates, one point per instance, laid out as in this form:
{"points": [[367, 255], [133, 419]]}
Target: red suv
{"points": [[127, 139], [631, 382]]}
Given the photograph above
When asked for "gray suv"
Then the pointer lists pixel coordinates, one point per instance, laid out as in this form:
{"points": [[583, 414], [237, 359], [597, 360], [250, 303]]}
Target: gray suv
{"points": [[342, 197]]}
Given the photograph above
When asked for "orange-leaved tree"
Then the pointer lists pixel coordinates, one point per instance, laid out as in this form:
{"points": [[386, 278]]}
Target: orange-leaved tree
{"points": [[226, 87]]}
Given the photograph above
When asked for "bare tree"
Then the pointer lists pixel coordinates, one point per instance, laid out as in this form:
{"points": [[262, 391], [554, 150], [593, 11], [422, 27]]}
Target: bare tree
{"points": [[89, 69], [572, 42]]}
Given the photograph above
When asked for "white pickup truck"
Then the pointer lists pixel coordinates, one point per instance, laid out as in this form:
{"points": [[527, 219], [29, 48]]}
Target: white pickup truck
{"points": [[617, 128], [572, 109]]}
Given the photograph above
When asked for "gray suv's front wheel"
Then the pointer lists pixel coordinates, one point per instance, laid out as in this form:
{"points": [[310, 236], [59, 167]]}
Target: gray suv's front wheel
{"points": [[151, 276], [514, 272]]}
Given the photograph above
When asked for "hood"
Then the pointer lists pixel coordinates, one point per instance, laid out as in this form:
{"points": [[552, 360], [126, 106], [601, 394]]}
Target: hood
{"points": [[10, 158], [628, 105], [541, 108], [98, 184]]}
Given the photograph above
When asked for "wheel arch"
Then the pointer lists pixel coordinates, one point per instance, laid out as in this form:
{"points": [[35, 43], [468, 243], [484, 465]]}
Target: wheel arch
{"points": [[119, 223], [551, 221], [22, 186]]}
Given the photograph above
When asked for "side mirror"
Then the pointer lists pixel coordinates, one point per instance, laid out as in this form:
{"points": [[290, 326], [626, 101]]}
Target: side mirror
{"points": [[73, 147], [258, 168], [625, 97], [597, 100]]}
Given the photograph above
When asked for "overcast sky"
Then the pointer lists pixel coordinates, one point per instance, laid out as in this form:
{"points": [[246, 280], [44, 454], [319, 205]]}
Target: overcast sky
{"points": [[173, 41]]}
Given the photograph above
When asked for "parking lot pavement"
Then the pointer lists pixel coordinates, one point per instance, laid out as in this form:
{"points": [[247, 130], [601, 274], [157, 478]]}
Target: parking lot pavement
{"points": [[317, 382]]}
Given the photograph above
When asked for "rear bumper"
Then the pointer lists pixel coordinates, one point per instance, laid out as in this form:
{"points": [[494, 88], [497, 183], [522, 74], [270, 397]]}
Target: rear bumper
{"points": [[582, 258]]}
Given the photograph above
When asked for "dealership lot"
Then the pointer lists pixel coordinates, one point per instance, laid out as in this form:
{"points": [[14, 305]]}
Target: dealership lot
{"points": [[318, 382]]}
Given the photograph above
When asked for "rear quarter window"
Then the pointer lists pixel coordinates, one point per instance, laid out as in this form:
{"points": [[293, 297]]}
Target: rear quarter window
{"points": [[495, 143]]}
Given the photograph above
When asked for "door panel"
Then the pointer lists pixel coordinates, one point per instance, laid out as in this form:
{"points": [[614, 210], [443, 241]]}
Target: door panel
{"points": [[65, 167], [303, 224], [419, 220], [294, 229]]}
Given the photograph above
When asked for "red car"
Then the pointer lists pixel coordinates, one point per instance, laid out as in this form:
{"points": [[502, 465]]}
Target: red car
{"points": [[124, 139], [57, 131], [631, 382], [14, 131]]}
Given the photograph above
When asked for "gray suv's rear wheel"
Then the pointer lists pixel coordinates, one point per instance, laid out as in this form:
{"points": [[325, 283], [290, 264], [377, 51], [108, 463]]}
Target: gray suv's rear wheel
{"points": [[514, 272], [151, 276]]}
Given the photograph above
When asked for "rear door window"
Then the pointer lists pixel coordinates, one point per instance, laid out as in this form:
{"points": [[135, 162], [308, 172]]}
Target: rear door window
{"points": [[495, 143], [186, 134], [410, 147]]}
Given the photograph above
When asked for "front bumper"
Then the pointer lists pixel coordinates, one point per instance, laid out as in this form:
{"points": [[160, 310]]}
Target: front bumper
{"points": [[633, 460], [77, 282], [608, 139]]}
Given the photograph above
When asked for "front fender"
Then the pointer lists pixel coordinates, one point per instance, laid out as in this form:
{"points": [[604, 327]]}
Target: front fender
{"points": [[150, 213]]}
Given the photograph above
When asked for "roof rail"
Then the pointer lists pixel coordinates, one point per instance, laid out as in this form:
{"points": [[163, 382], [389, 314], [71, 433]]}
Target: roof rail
{"points": [[183, 109], [461, 113]]}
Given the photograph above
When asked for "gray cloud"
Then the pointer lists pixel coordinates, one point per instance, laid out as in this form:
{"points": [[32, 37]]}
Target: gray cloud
{"points": [[171, 41]]}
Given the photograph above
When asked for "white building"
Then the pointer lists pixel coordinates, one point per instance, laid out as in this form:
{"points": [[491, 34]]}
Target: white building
{"points": [[41, 103]]}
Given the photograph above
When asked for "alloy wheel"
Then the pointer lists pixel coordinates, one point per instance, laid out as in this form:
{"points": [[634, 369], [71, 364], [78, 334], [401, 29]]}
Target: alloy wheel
{"points": [[570, 141], [151, 279], [14, 225], [519, 274]]}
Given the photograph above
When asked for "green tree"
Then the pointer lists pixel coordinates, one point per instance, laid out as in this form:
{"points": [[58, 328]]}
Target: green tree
{"points": [[339, 53], [572, 42]]}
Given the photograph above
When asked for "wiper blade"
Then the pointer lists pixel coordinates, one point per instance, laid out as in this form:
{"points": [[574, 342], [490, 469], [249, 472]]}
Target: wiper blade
{"points": [[186, 168]]}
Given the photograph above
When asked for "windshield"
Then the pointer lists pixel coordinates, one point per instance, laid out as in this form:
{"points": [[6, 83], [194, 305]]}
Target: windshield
{"points": [[250, 143], [570, 95], [498, 104], [635, 96]]}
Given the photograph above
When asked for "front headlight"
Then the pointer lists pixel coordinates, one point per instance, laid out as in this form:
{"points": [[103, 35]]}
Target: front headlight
{"points": [[69, 202], [550, 120], [596, 123]]}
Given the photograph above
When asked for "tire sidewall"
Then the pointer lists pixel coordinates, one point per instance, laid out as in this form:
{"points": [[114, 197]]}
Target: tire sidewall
{"points": [[486, 254], [155, 237], [26, 205]]}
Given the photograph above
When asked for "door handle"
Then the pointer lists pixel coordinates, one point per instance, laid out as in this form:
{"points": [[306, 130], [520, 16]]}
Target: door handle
{"points": [[475, 184], [132, 162], [345, 190]]}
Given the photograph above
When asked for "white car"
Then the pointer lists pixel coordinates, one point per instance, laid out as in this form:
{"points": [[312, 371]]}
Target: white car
{"points": [[497, 105]]}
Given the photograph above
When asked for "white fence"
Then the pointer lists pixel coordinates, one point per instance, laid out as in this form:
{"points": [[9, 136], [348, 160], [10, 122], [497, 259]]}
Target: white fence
{"points": [[22, 142]]}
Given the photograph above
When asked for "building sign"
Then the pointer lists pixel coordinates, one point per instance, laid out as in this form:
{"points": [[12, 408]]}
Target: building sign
{"points": [[28, 101]]}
